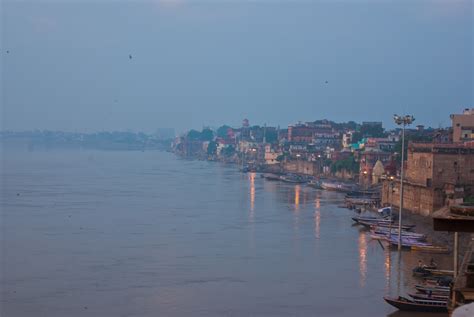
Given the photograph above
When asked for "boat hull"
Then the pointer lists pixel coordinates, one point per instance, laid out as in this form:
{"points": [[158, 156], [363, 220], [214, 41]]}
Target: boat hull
{"points": [[431, 249], [414, 306]]}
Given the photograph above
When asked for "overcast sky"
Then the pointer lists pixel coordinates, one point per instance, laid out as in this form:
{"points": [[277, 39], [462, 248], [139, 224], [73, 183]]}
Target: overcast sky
{"points": [[65, 64]]}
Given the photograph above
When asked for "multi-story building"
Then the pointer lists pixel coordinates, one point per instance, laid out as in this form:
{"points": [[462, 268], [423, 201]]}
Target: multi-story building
{"points": [[319, 133], [436, 175], [347, 139], [301, 133], [384, 144], [463, 125]]}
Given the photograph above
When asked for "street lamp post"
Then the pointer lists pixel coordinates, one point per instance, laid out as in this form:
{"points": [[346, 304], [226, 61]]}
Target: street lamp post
{"points": [[403, 121]]}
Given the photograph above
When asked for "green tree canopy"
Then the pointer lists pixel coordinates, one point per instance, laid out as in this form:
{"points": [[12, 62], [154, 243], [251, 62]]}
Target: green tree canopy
{"points": [[348, 164], [356, 137], [222, 131], [372, 131], [271, 136], [207, 134], [194, 135]]}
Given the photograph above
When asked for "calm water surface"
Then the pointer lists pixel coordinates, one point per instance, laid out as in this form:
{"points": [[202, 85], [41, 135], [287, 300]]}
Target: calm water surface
{"points": [[95, 233]]}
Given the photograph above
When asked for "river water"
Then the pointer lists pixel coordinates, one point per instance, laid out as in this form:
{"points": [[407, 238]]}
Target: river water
{"points": [[97, 233]]}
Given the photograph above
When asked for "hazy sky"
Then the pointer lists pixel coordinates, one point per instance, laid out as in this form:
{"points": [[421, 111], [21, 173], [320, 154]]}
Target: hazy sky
{"points": [[198, 63]]}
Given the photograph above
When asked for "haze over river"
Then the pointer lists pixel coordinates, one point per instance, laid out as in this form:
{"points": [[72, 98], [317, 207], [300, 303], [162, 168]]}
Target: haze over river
{"points": [[97, 233]]}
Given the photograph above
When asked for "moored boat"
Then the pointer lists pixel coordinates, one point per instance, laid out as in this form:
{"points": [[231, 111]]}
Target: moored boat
{"points": [[431, 249], [374, 220], [428, 297], [293, 178], [383, 223], [438, 281], [406, 242], [394, 232], [421, 271], [432, 289], [418, 305], [440, 272], [337, 186], [315, 184], [271, 176]]}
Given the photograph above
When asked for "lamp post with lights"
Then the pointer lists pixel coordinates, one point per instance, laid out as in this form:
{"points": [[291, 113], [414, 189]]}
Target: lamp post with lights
{"points": [[403, 121]]}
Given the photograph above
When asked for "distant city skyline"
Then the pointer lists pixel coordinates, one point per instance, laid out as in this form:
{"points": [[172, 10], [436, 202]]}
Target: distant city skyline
{"points": [[140, 66]]}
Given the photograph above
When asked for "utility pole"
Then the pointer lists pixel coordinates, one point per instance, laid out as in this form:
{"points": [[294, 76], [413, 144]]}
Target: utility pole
{"points": [[403, 121]]}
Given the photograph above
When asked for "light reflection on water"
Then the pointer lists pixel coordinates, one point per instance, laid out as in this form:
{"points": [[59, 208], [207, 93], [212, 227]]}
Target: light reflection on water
{"points": [[363, 258], [297, 197], [146, 234], [252, 193], [388, 271]]}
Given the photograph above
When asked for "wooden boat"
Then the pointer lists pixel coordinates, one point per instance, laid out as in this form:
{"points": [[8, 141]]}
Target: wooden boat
{"points": [[438, 281], [359, 193], [429, 297], [431, 249], [295, 179], [405, 234], [339, 187], [271, 177], [432, 289], [385, 224], [314, 184], [393, 230], [406, 242], [404, 227], [387, 237], [441, 272], [419, 305], [374, 220], [421, 272]]}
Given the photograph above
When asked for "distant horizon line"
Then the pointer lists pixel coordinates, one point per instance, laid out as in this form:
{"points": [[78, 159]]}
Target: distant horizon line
{"points": [[180, 131]]}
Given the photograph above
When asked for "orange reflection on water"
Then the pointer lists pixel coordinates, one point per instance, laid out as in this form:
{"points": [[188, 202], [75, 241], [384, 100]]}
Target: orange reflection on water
{"points": [[297, 197], [362, 258], [317, 217], [388, 271], [252, 191]]}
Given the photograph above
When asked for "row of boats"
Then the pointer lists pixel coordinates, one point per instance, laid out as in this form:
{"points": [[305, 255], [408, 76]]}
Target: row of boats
{"points": [[313, 182], [355, 196], [288, 178], [433, 294], [386, 230]]}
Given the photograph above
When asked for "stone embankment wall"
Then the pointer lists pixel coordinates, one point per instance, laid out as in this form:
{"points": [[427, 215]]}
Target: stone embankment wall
{"points": [[301, 167], [418, 199], [305, 168]]}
